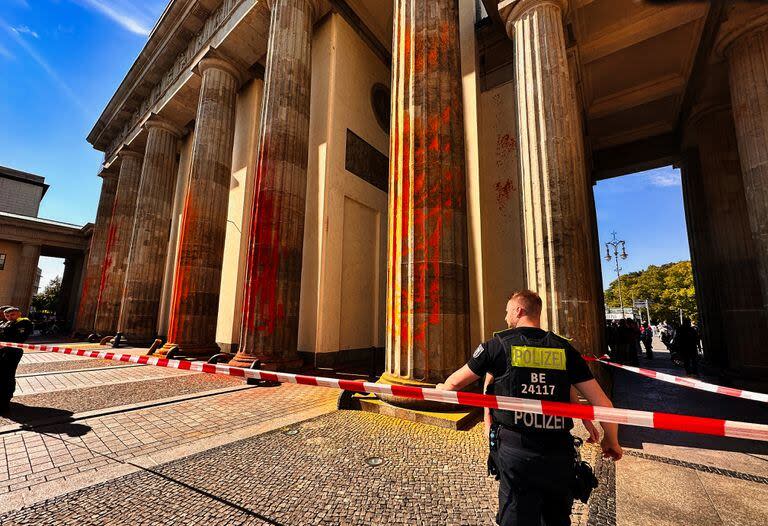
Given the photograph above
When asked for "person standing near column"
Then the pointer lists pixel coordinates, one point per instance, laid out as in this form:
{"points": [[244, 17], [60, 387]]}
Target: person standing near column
{"points": [[533, 455]]}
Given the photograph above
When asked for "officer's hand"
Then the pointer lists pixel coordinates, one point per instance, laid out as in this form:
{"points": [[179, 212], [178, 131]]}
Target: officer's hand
{"points": [[441, 387], [611, 449], [594, 434]]}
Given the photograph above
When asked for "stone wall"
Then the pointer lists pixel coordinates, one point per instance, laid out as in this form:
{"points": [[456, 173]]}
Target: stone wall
{"points": [[12, 253], [344, 256], [18, 197]]}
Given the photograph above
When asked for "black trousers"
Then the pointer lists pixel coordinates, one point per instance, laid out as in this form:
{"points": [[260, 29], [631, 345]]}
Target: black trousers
{"points": [[648, 348], [534, 487], [9, 360]]}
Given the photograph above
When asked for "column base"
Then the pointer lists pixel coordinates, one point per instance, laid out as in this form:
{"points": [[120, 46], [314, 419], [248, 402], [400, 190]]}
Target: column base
{"points": [[456, 420], [410, 403], [242, 359], [188, 350]]}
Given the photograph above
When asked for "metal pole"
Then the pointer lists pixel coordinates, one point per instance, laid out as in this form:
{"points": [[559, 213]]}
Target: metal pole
{"points": [[618, 273]]}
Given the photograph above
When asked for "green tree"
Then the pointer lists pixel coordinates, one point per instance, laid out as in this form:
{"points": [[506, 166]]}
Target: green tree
{"points": [[48, 299], [669, 288]]}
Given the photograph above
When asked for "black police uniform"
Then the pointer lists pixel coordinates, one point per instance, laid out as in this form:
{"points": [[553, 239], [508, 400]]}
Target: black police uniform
{"points": [[533, 454], [14, 332]]}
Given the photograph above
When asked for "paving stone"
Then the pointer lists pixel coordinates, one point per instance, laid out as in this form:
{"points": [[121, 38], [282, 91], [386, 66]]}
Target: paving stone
{"points": [[430, 476]]}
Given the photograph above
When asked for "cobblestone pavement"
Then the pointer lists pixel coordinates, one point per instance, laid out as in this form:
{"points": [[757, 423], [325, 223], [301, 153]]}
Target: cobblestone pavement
{"points": [[57, 366], [31, 408], [317, 476], [75, 380], [48, 357], [219, 458], [50, 452]]}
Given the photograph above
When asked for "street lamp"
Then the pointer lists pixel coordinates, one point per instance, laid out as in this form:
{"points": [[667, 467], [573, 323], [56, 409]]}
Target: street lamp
{"points": [[615, 244]]}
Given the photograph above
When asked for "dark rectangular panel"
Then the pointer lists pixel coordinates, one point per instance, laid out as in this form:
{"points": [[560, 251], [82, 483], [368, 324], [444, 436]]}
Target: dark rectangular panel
{"points": [[366, 162]]}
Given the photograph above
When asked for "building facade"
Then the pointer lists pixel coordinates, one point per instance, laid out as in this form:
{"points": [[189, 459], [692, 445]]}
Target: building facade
{"points": [[24, 237], [309, 180]]}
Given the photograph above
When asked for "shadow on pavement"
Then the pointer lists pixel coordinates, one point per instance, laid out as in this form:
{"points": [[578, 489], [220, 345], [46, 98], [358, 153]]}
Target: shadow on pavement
{"points": [[633, 391], [45, 420]]}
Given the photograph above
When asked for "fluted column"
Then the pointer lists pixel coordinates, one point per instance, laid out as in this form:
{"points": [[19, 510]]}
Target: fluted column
{"points": [[729, 244], [151, 230], [427, 275], [24, 277], [745, 44], [194, 305], [555, 185], [118, 243], [86, 313], [705, 279], [273, 273]]}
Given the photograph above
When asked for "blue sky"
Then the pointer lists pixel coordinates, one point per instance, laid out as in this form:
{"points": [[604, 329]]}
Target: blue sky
{"points": [[61, 61], [646, 211]]}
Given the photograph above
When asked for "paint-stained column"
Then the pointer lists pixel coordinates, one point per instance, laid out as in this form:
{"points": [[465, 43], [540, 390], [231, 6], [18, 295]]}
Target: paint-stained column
{"points": [[24, 277], [86, 314], [118, 243], [745, 44], [151, 230], [556, 209], [192, 325], [427, 280], [273, 274]]}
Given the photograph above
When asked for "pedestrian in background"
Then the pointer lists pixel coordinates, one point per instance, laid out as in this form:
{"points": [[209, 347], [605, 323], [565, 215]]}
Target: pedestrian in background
{"points": [[686, 343], [647, 338]]}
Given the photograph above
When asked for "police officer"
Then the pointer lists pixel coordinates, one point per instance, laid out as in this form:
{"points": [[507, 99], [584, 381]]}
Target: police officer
{"points": [[533, 454], [15, 330], [3, 321]]}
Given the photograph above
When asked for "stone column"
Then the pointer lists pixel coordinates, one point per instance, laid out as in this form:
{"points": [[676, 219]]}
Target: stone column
{"points": [[427, 276], [65, 297], [556, 214], [118, 243], [745, 44], [705, 280], [735, 318], [86, 314], [151, 230], [273, 274], [25, 277], [192, 324]]}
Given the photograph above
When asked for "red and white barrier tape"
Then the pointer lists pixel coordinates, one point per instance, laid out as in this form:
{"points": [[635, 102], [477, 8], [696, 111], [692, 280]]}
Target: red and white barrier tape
{"points": [[689, 424], [686, 382]]}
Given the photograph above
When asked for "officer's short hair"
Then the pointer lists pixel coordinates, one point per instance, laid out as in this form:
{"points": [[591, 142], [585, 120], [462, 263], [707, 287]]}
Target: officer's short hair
{"points": [[528, 300]]}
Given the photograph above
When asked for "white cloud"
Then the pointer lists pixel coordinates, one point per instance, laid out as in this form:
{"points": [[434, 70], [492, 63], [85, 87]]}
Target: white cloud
{"points": [[5, 53], [126, 13], [55, 78], [24, 30], [664, 179]]}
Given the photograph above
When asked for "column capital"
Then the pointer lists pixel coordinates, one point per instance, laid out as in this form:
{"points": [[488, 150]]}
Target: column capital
{"points": [[315, 4], [108, 172], [511, 10], [129, 154], [699, 112], [741, 20], [214, 60], [155, 121]]}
